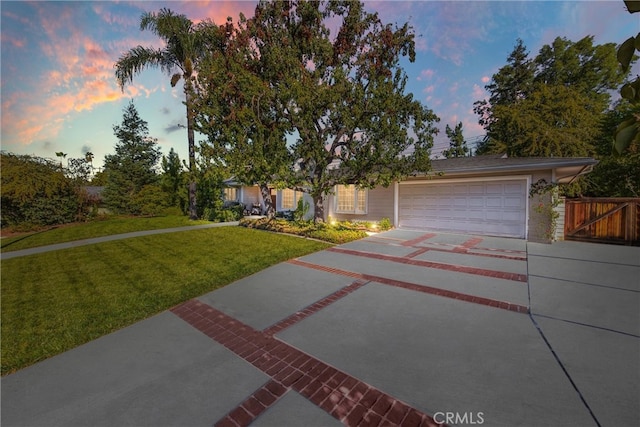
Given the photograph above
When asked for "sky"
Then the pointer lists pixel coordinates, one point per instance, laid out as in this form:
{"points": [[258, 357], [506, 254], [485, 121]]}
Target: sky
{"points": [[59, 93]]}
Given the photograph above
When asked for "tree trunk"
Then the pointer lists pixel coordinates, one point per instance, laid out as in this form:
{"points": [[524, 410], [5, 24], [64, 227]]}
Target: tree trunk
{"points": [[318, 208], [193, 212], [269, 209]]}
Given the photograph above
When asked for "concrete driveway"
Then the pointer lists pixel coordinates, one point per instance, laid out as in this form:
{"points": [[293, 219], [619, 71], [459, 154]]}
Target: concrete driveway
{"points": [[402, 328]]}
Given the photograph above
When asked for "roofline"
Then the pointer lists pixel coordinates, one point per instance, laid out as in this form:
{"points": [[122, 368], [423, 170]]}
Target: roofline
{"points": [[562, 162]]}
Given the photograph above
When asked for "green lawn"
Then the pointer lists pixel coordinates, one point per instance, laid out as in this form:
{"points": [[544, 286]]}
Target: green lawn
{"points": [[55, 301], [107, 227]]}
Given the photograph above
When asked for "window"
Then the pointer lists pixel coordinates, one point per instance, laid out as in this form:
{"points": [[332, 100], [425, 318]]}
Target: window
{"points": [[231, 194], [350, 199], [288, 199]]}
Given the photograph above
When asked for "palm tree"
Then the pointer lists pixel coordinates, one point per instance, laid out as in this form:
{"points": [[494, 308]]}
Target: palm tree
{"points": [[62, 156], [184, 45]]}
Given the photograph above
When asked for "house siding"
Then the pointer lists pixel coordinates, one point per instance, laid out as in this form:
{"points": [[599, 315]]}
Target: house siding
{"points": [[379, 205], [540, 222], [250, 195]]}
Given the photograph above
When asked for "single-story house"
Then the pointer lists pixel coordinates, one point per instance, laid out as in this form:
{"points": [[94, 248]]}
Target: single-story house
{"points": [[485, 195]]}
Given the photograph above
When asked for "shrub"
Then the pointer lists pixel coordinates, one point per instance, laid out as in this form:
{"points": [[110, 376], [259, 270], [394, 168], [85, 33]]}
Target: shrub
{"points": [[384, 224], [150, 200], [227, 212], [333, 235], [36, 191], [172, 211], [301, 210], [307, 229]]}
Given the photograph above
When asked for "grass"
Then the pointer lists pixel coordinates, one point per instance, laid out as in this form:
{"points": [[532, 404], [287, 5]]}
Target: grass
{"points": [[55, 301], [107, 227]]}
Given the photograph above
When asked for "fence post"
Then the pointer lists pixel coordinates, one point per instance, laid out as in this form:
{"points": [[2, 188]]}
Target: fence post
{"points": [[631, 232]]}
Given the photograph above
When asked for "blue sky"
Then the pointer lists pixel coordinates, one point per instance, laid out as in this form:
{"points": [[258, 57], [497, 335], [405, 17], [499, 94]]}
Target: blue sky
{"points": [[59, 93]]}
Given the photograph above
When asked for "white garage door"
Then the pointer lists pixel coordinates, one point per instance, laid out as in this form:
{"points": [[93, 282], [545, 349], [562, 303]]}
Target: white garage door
{"points": [[495, 208]]}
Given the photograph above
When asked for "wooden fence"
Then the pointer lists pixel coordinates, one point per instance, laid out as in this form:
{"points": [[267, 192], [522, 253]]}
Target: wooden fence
{"points": [[605, 220]]}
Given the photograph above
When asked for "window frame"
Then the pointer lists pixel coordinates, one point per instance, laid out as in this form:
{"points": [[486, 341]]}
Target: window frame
{"points": [[226, 192], [356, 194], [294, 199]]}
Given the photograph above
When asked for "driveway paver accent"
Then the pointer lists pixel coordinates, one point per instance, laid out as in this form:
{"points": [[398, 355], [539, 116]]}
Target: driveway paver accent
{"points": [[358, 335], [430, 264], [417, 287], [343, 396]]}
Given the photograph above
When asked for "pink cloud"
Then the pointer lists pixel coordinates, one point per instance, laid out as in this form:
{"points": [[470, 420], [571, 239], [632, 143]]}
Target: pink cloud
{"points": [[485, 79], [428, 89], [478, 92], [123, 20], [426, 75], [18, 43], [217, 11], [80, 76]]}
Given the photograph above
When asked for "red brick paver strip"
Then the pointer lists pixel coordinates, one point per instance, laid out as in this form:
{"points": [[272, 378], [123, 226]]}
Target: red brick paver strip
{"points": [[313, 308], [346, 398], [417, 252], [430, 264], [503, 255], [417, 240], [472, 242], [418, 287]]}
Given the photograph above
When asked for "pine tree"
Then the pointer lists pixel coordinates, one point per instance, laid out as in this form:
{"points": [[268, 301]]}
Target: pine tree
{"points": [[133, 166], [457, 145]]}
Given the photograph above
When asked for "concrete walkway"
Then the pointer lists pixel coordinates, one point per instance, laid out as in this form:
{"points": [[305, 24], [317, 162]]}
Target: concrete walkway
{"points": [[84, 242], [403, 328]]}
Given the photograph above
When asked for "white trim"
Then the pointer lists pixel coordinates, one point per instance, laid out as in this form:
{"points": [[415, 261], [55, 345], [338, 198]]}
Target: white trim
{"points": [[396, 209], [480, 178], [356, 200]]}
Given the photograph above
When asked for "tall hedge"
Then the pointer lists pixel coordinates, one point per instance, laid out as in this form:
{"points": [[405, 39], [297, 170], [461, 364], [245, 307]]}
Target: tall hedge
{"points": [[35, 191]]}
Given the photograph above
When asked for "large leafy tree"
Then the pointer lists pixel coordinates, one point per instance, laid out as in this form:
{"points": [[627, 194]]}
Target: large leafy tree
{"points": [[339, 98], [554, 108], [133, 166], [615, 175], [627, 133], [184, 45], [554, 120], [240, 111]]}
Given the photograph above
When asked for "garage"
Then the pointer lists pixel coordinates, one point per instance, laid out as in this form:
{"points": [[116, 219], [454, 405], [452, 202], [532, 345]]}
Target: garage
{"points": [[489, 207]]}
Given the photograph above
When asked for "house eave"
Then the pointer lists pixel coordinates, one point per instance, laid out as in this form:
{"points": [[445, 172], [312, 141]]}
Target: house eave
{"points": [[572, 166]]}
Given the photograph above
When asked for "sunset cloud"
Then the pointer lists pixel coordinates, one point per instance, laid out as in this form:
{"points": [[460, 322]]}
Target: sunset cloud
{"points": [[426, 75], [79, 76], [17, 42], [478, 92], [58, 83]]}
